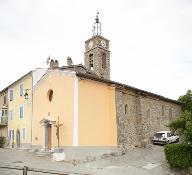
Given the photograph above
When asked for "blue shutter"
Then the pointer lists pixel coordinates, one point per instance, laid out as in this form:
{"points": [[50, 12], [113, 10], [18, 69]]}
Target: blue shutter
{"points": [[24, 134], [11, 115], [21, 111], [13, 135]]}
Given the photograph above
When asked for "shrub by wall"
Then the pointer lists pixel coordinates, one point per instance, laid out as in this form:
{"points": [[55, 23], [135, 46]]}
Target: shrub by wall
{"points": [[179, 155], [2, 141]]}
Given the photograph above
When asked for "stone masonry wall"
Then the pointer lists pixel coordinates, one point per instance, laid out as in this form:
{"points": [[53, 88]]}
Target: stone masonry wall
{"points": [[144, 116], [127, 124], [156, 114], [97, 62]]}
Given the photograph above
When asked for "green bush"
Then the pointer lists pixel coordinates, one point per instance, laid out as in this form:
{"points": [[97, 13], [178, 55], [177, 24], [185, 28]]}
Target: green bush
{"points": [[2, 141], [179, 155]]}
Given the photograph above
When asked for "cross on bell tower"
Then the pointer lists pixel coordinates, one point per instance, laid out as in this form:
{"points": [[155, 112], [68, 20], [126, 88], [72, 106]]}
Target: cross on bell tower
{"points": [[97, 54]]}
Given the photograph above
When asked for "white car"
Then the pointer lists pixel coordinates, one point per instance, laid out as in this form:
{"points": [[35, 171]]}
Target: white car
{"points": [[165, 137]]}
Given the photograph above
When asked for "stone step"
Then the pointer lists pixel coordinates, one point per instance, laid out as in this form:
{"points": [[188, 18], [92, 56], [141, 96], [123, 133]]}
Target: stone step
{"points": [[23, 149], [43, 153]]}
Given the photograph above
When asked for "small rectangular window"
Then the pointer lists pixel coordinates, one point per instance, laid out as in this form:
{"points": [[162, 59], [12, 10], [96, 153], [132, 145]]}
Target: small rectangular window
{"points": [[24, 134], [21, 89], [21, 112], [11, 95]]}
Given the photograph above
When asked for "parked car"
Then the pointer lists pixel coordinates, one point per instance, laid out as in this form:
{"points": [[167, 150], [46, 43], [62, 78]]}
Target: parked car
{"points": [[165, 137]]}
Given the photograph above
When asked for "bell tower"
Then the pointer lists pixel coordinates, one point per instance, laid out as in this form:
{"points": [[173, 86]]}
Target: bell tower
{"points": [[97, 54]]}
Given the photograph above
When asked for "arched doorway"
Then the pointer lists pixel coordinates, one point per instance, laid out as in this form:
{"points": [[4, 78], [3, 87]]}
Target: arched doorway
{"points": [[18, 138]]}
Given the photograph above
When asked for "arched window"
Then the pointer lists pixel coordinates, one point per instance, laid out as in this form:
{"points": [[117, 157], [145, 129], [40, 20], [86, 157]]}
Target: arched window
{"points": [[163, 109], [103, 60], [148, 113], [91, 61], [126, 109], [170, 113]]}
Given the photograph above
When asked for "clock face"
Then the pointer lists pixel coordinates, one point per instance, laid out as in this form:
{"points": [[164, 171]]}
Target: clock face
{"points": [[103, 43], [90, 45]]}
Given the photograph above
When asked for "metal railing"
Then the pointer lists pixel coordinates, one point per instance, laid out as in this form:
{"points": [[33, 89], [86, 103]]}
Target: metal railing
{"points": [[26, 169]]}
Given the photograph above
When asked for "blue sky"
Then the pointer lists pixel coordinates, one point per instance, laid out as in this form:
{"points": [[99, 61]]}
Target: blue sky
{"points": [[150, 40]]}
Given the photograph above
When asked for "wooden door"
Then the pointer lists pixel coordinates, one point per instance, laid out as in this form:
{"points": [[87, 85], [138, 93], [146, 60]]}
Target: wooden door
{"points": [[49, 137]]}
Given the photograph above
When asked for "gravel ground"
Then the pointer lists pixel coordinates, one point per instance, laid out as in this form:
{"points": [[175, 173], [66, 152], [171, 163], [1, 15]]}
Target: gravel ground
{"points": [[138, 161]]}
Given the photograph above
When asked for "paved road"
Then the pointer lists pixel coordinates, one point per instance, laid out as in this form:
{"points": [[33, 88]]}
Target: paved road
{"points": [[135, 162]]}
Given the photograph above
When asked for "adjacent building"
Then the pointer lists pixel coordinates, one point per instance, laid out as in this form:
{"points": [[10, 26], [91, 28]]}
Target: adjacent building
{"points": [[3, 113], [20, 111], [17, 109]]}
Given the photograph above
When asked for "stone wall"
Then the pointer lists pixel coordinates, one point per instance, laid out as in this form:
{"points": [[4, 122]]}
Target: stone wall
{"points": [[144, 116], [97, 50], [97, 62]]}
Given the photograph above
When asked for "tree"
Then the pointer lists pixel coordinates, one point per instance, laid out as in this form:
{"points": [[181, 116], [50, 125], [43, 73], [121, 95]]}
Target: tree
{"points": [[186, 101], [180, 155], [183, 124]]}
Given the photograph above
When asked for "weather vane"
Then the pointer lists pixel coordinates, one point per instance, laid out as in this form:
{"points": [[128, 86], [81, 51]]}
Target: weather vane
{"points": [[97, 26]]}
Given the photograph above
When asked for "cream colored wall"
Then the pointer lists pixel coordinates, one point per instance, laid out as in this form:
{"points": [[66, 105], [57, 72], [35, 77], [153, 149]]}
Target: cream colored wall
{"points": [[97, 114], [17, 122], [3, 131], [61, 105]]}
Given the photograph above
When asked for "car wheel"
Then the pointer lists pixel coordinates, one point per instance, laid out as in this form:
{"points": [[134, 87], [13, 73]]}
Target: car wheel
{"points": [[177, 140]]}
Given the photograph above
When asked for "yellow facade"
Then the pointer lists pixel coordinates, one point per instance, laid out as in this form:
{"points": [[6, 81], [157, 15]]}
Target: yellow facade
{"points": [[15, 122], [95, 106], [61, 105], [97, 114]]}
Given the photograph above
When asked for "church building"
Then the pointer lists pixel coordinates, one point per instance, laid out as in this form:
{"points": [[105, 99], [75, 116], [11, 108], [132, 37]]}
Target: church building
{"points": [[96, 113], [79, 108]]}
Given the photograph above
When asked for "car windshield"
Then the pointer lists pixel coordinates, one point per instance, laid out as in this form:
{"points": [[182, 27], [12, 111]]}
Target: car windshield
{"points": [[159, 135]]}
